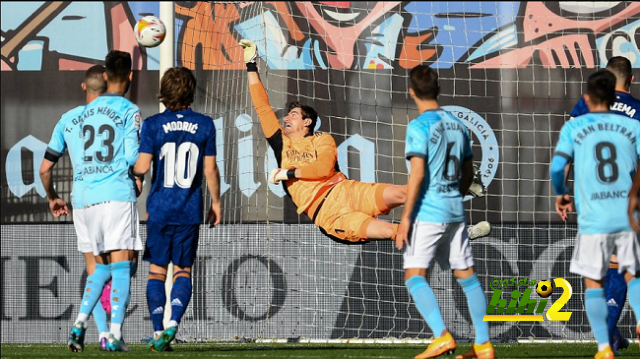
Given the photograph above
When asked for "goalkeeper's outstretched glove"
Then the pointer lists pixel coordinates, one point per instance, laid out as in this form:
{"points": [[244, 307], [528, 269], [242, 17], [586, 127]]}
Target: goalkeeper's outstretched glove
{"points": [[250, 50], [281, 174], [477, 188]]}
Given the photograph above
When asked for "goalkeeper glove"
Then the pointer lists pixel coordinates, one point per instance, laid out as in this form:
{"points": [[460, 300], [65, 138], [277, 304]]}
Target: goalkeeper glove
{"points": [[281, 174], [250, 50], [477, 188]]}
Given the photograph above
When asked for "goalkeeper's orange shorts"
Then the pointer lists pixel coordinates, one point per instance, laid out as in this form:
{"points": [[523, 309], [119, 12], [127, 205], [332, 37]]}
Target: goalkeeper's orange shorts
{"points": [[349, 207]]}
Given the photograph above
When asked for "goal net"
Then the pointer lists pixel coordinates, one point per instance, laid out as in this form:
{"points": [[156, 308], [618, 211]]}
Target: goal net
{"points": [[511, 71]]}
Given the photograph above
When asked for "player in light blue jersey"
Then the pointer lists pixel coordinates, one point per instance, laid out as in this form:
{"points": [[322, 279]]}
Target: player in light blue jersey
{"points": [[178, 141], [615, 286], [65, 136], [605, 148], [107, 200], [433, 227]]}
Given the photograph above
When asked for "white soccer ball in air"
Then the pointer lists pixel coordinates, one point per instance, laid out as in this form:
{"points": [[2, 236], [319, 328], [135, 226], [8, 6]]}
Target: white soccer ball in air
{"points": [[149, 31]]}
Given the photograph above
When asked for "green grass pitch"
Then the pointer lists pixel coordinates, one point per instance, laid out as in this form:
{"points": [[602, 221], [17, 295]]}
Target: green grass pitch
{"points": [[306, 351]]}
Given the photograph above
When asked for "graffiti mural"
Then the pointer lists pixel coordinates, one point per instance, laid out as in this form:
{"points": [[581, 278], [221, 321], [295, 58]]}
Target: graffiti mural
{"points": [[386, 35], [301, 35], [71, 35]]}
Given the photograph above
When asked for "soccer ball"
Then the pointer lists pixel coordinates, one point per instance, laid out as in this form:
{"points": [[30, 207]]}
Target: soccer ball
{"points": [[149, 31], [544, 288]]}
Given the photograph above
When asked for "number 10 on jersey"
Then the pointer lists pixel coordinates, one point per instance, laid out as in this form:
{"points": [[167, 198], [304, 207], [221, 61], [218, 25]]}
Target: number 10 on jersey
{"points": [[179, 166]]}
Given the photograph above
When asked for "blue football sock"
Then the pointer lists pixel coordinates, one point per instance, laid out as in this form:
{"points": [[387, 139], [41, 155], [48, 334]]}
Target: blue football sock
{"points": [[615, 288], [100, 317], [596, 307], [180, 294], [156, 298], [120, 285], [634, 297], [426, 303], [93, 288], [477, 302]]}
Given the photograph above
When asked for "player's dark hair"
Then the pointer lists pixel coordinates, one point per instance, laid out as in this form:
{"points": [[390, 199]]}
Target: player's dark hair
{"points": [[177, 88], [601, 88], [424, 82], [306, 112], [94, 80], [118, 65], [621, 68]]}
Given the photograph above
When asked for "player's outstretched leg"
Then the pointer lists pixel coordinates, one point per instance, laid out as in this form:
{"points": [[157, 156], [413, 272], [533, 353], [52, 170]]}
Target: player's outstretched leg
{"points": [[429, 309], [120, 292], [90, 297], [596, 308], [477, 302], [99, 312], [180, 298], [100, 315], [156, 299]]}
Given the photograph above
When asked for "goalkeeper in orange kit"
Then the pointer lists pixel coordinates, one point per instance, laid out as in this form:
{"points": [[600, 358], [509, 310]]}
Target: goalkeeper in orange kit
{"points": [[343, 209]]}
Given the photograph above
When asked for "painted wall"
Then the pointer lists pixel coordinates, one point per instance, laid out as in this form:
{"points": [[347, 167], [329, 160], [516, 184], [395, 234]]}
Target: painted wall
{"points": [[510, 70]]}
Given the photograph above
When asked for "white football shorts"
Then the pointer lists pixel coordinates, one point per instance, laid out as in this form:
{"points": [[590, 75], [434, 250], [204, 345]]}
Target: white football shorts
{"points": [[592, 253], [448, 243], [107, 226], [82, 233]]}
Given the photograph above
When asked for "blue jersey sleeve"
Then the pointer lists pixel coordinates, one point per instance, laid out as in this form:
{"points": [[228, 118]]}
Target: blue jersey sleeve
{"points": [[146, 137], [210, 146], [557, 174], [579, 109], [416, 143], [132, 136], [57, 145]]}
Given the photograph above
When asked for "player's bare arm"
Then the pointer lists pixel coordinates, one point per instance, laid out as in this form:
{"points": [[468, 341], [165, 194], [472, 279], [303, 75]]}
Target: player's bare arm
{"points": [[57, 205], [143, 164], [416, 178], [140, 169], [563, 202], [212, 175]]}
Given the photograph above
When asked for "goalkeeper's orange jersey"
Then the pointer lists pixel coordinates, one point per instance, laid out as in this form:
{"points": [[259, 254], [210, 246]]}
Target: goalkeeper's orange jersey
{"points": [[316, 156]]}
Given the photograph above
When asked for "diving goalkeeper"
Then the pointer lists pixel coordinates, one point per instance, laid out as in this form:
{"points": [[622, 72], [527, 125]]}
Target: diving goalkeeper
{"points": [[345, 210]]}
